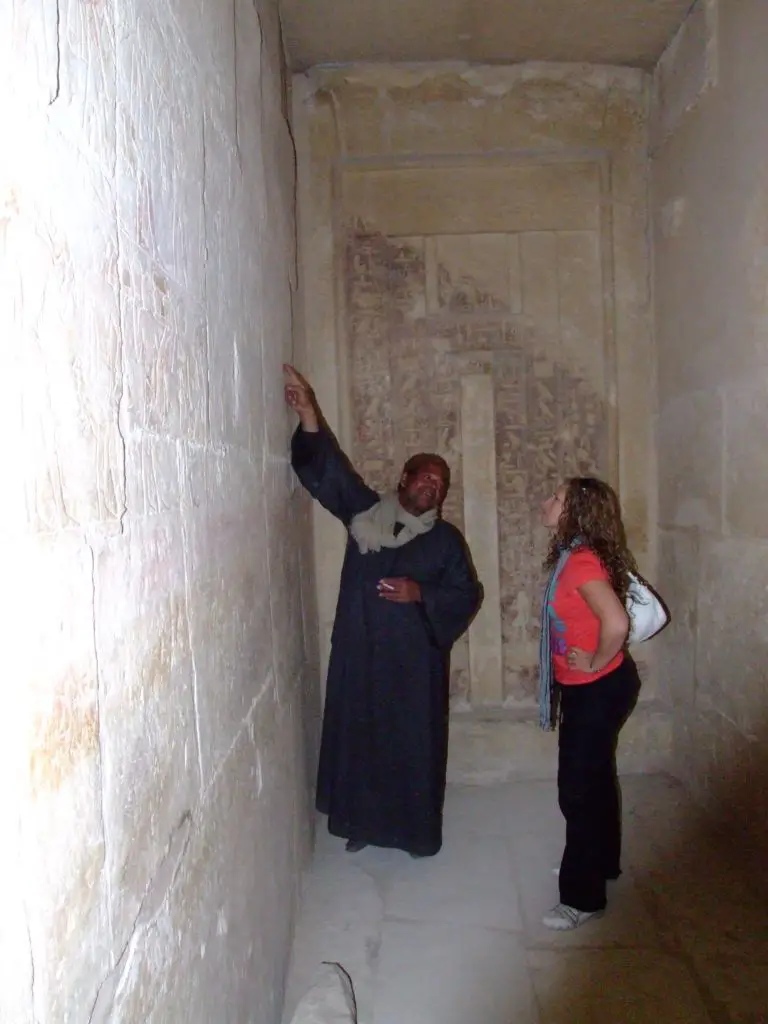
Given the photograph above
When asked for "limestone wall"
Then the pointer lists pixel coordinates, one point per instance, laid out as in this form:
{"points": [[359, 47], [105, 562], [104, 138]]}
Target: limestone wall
{"points": [[710, 221], [476, 282], [154, 764]]}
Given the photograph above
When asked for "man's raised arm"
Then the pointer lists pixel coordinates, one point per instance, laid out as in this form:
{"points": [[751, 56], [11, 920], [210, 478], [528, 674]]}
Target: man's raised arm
{"points": [[317, 460]]}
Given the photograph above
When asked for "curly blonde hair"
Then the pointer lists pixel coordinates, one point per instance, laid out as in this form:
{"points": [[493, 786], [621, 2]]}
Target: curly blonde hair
{"points": [[592, 513]]}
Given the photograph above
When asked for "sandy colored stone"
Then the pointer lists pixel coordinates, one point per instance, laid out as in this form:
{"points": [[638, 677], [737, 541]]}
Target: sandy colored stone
{"points": [[159, 609], [682, 939], [164, 978], [731, 634], [739, 986], [151, 761], [678, 585], [482, 530], [330, 1000], [603, 986], [62, 350], [694, 52], [711, 310], [52, 771], [469, 220], [493, 748], [689, 435], [159, 751], [454, 30], [481, 199], [744, 457]]}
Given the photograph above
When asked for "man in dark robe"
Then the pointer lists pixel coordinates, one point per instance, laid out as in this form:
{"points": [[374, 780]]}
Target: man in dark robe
{"points": [[407, 592]]}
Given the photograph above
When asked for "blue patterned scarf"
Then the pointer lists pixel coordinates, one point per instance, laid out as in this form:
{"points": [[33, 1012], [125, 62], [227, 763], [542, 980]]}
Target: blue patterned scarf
{"points": [[547, 715]]}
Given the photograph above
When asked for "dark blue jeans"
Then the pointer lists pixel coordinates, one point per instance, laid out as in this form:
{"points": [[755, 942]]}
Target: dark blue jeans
{"points": [[592, 715]]}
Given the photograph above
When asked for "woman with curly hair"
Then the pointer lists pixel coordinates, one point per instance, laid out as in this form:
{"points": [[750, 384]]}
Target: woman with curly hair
{"points": [[589, 685]]}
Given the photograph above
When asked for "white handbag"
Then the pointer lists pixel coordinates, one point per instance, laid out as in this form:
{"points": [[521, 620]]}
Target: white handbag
{"points": [[647, 615]]}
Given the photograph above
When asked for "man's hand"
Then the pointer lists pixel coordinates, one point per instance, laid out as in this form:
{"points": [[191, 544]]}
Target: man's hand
{"points": [[400, 590], [298, 395]]}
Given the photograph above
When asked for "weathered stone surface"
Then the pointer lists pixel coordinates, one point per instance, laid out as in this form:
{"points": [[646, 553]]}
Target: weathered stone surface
{"points": [[724, 768], [745, 458], [161, 201], [731, 633], [478, 432], [330, 1000], [710, 213], [658, 982], [348, 894], [229, 609], [464, 200], [159, 746], [490, 748], [687, 68], [234, 346], [53, 774], [177, 970], [347, 30], [710, 276], [61, 348], [489, 223], [148, 729], [545, 421], [689, 435], [165, 351], [16, 976], [675, 647]]}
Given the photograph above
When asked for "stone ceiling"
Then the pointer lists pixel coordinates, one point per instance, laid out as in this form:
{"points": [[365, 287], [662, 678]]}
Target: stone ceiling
{"points": [[632, 32]]}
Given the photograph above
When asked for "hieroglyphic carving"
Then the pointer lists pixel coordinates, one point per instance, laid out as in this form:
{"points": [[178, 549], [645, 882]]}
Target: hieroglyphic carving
{"points": [[368, 324], [407, 357]]}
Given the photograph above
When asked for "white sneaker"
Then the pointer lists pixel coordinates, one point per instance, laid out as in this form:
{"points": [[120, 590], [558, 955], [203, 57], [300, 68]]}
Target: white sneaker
{"points": [[562, 918]]}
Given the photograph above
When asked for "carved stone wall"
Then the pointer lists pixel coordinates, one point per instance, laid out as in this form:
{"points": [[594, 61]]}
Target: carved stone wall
{"points": [[422, 313], [711, 329], [475, 281], [159, 702]]}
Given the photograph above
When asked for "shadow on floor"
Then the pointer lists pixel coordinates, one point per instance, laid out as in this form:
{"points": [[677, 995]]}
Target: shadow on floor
{"points": [[458, 939]]}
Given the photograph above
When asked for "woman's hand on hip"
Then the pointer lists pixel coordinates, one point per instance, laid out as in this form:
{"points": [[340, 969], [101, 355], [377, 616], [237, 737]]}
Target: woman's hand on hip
{"points": [[580, 660]]}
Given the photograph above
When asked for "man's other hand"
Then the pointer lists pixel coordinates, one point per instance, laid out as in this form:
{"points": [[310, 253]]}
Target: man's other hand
{"points": [[400, 590]]}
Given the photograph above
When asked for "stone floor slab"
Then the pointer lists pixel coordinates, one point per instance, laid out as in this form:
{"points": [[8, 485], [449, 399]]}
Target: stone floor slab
{"points": [[457, 939], [506, 809], [451, 974], [615, 987], [471, 882]]}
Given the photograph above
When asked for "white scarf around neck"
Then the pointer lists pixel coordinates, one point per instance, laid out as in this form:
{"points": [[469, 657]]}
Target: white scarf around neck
{"points": [[375, 528]]}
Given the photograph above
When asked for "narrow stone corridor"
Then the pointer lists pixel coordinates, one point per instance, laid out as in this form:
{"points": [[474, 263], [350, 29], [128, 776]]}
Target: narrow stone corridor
{"points": [[458, 939], [531, 237]]}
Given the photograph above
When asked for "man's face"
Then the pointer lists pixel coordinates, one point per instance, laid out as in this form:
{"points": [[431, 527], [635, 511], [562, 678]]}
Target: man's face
{"points": [[423, 489]]}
